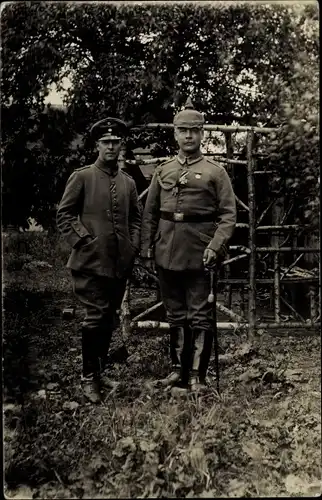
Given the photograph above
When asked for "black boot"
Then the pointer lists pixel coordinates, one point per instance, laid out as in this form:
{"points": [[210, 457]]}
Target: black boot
{"points": [[91, 389], [91, 367], [104, 341], [202, 344], [186, 357], [177, 338], [105, 336]]}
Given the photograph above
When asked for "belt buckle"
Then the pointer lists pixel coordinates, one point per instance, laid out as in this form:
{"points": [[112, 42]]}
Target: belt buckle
{"points": [[177, 216]]}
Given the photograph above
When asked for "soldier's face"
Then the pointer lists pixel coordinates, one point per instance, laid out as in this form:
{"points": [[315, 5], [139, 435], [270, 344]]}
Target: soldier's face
{"points": [[109, 149], [188, 139]]}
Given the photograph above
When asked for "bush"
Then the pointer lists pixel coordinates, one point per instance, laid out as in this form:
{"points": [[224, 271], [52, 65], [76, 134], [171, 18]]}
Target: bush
{"points": [[24, 248]]}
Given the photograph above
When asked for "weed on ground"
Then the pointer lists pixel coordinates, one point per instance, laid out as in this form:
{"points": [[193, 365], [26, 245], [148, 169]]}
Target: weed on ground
{"points": [[260, 437]]}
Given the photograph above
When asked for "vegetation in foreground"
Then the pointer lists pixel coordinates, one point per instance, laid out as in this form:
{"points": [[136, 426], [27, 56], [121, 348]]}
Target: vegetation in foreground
{"points": [[260, 437]]}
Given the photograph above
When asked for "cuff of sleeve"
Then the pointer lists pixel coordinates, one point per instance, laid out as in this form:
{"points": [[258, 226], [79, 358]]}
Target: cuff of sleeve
{"points": [[72, 239], [220, 251], [79, 229]]}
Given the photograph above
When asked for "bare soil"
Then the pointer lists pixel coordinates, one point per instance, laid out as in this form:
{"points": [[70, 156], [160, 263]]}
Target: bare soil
{"points": [[260, 437]]}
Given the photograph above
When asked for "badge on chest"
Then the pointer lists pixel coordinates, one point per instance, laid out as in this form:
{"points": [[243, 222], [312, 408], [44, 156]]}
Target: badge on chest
{"points": [[183, 178]]}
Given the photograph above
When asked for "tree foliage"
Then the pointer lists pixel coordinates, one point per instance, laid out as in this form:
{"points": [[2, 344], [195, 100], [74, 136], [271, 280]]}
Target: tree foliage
{"points": [[138, 62], [295, 149]]}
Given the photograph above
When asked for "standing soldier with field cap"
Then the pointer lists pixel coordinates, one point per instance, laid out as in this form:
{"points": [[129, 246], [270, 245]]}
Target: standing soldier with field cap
{"points": [[100, 216], [189, 217]]}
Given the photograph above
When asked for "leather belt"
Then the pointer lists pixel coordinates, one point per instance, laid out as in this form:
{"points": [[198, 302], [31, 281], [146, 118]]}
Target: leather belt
{"points": [[180, 217]]}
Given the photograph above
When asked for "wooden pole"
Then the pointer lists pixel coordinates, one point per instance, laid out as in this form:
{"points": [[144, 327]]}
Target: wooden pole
{"points": [[291, 266], [213, 128], [228, 312], [277, 304], [148, 311], [270, 228], [221, 155], [121, 159], [156, 161], [294, 311], [261, 217], [234, 259], [288, 249], [251, 234], [230, 161], [241, 203], [141, 195], [125, 316], [277, 214], [269, 281], [313, 308], [319, 291], [242, 300], [230, 170], [229, 325]]}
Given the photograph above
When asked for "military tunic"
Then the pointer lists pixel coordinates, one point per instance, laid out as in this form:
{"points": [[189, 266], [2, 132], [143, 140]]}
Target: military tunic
{"points": [[191, 187], [105, 206]]}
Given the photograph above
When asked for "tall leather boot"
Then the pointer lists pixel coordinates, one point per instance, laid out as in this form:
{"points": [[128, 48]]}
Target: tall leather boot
{"points": [[177, 339], [104, 341], [202, 343], [91, 367], [186, 357]]}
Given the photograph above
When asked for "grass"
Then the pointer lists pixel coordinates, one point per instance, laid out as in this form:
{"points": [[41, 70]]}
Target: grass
{"points": [[260, 437]]}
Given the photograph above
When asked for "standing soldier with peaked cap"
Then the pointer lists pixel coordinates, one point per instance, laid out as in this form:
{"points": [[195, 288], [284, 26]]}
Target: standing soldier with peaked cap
{"points": [[189, 216], [99, 216]]}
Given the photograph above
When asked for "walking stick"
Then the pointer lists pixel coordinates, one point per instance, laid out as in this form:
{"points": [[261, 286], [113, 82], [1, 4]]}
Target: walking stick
{"points": [[211, 300]]}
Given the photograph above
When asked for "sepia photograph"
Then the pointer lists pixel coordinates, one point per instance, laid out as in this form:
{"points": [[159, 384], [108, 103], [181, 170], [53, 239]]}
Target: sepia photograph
{"points": [[161, 296]]}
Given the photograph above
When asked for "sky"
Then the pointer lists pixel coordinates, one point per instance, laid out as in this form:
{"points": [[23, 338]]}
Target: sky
{"points": [[54, 97]]}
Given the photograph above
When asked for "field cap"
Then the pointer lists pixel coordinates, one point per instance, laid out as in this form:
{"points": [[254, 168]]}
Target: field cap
{"points": [[109, 129]]}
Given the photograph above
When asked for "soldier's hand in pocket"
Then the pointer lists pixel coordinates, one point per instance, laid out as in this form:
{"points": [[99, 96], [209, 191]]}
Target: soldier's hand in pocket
{"points": [[84, 241], [209, 258]]}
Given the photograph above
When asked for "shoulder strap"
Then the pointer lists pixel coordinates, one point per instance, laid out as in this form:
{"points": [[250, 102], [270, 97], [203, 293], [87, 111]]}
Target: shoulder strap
{"points": [[82, 168]]}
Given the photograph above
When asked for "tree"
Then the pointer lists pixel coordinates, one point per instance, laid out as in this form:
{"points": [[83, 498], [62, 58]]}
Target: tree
{"points": [[138, 62], [295, 151]]}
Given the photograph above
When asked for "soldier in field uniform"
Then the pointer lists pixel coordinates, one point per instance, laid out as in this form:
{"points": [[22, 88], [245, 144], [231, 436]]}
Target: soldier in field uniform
{"points": [[100, 216], [189, 216]]}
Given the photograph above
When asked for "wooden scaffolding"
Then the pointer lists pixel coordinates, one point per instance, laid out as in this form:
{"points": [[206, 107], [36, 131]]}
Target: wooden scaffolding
{"points": [[278, 248]]}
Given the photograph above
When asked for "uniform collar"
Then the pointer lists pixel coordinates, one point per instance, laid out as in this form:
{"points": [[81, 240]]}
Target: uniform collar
{"points": [[105, 167], [197, 156]]}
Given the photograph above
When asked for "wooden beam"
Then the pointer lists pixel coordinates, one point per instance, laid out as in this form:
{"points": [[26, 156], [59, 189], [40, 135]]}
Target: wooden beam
{"points": [[207, 126]]}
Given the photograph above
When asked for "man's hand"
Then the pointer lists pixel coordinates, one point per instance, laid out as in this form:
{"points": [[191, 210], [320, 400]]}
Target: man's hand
{"points": [[209, 258]]}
